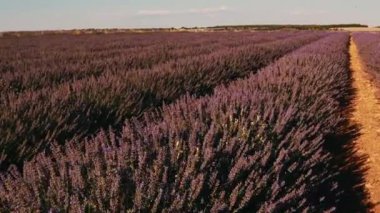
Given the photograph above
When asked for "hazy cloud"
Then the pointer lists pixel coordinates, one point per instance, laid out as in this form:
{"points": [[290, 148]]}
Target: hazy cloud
{"points": [[206, 11], [156, 12], [304, 12]]}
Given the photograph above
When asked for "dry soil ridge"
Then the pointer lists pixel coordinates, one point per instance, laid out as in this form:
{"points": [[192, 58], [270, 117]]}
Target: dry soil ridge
{"points": [[367, 115]]}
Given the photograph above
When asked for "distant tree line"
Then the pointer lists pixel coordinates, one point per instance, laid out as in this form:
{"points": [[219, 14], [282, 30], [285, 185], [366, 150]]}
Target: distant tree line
{"points": [[288, 26], [172, 29]]}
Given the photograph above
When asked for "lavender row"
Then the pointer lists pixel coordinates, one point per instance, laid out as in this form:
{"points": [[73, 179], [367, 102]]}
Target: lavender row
{"points": [[369, 49], [253, 146], [81, 109], [50, 66]]}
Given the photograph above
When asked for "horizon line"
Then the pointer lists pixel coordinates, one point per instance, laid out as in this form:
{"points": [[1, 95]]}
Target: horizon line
{"points": [[179, 27]]}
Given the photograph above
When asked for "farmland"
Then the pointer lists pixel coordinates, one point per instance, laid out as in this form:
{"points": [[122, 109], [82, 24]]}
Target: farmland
{"points": [[188, 122]]}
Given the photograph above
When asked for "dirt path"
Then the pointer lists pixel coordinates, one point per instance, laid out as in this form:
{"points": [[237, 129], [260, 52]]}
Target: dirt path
{"points": [[367, 115]]}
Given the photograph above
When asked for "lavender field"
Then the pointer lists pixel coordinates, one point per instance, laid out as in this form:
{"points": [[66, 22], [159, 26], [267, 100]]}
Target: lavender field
{"points": [[369, 48], [180, 122]]}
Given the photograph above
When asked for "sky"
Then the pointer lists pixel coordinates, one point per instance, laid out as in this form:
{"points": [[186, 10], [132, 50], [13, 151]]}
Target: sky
{"points": [[18, 15]]}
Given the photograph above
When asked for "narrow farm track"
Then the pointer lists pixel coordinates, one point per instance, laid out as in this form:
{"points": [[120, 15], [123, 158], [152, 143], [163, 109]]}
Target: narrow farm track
{"points": [[367, 115]]}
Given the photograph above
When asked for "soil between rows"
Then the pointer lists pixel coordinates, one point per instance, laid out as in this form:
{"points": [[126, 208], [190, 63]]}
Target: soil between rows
{"points": [[366, 114]]}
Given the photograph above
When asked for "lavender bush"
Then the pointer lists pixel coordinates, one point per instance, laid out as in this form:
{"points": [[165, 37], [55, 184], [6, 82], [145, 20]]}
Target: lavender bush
{"points": [[74, 110], [47, 61], [253, 146]]}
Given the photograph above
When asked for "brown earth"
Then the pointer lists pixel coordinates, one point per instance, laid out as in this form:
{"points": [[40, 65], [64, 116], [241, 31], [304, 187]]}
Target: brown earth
{"points": [[360, 29], [367, 115]]}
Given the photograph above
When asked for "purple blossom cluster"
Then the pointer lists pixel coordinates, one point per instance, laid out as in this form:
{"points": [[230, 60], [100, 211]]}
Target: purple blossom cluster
{"points": [[369, 48], [76, 103], [255, 145]]}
